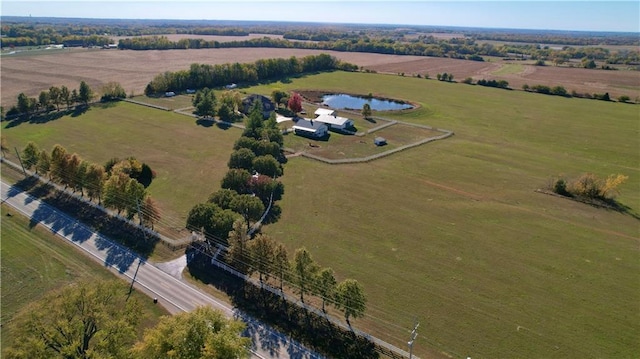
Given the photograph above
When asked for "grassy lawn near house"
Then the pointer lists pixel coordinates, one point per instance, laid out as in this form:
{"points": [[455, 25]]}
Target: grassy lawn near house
{"points": [[34, 262], [452, 232]]}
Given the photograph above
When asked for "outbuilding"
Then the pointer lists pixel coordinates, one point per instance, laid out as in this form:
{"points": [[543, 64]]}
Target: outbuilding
{"points": [[335, 122], [380, 141], [169, 94], [310, 128]]}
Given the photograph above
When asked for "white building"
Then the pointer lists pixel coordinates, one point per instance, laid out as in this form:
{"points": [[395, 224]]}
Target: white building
{"points": [[310, 128]]}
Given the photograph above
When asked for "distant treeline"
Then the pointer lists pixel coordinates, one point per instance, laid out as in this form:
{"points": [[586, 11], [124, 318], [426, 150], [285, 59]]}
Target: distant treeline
{"points": [[423, 46], [410, 40], [210, 76]]}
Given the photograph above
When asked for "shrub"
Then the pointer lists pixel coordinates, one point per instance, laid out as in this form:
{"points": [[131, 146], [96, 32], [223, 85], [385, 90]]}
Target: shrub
{"points": [[468, 81], [560, 187], [624, 98]]}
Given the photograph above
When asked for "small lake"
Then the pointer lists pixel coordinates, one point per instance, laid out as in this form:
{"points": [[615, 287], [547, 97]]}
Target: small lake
{"points": [[342, 102]]}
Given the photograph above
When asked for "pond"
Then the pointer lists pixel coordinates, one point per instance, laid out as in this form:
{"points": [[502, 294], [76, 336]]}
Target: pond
{"points": [[343, 102]]}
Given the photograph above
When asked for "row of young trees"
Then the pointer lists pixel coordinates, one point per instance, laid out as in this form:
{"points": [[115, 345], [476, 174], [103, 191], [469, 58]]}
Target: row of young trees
{"points": [[52, 100], [119, 185], [199, 76], [55, 97], [99, 320]]}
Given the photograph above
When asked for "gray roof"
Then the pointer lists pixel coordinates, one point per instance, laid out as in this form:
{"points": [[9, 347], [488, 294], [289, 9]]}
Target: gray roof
{"points": [[310, 126]]}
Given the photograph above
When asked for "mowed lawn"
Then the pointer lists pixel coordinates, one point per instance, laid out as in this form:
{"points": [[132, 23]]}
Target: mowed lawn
{"points": [[189, 159], [453, 232], [34, 262]]}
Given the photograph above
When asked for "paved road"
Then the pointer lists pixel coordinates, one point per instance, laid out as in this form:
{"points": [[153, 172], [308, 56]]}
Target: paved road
{"points": [[174, 294]]}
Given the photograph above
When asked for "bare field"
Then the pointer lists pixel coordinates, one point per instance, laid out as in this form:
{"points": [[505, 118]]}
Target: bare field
{"points": [[134, 69]]}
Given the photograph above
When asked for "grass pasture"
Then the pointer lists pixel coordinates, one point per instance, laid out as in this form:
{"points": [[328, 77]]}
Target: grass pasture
{"points": [[509, 69], [172, 103], [34, 262], [453, 232], [175, 146]]}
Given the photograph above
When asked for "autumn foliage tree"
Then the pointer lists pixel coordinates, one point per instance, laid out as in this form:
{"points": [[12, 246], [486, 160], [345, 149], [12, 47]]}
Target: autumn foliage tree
{"points": [[86, 320], [295, 103]]}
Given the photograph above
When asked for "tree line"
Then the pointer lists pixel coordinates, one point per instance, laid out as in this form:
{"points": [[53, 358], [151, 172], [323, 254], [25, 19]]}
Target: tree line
{"points": [[456, 48], [199, 76], [228, 218], [55, 97], [120, 184]]}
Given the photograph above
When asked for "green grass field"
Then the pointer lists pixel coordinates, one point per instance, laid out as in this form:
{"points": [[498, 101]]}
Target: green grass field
{"points": [[452, 232], [35, 262], [172, 103], [508, 69]]}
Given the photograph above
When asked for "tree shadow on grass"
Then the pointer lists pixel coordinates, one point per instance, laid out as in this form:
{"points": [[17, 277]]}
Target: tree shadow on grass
{"points": [[223, 125], [36, 119], [205, 122], [122, 235], [316, 332]]}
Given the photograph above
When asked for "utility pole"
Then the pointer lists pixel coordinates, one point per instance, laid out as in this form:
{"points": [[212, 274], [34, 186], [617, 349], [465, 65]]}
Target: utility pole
{"points": [[414, 335], [20, 159]]}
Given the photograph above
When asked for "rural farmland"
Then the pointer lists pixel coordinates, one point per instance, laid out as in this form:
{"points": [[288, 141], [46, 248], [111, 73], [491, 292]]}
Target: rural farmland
{"points": [[134, 69], [453, 233]]}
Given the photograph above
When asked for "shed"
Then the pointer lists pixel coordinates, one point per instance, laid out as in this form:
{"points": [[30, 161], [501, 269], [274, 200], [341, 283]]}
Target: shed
{"points": [[310, 128], [169, 94], [380, 141]]}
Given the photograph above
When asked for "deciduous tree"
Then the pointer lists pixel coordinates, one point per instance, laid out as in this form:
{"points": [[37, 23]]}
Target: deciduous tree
{"points": [[44, 163], [203, 333], [54, 96], [295, 103], [85, 320], [30, 155], [94, 181], [238, 254], [242, 158], [150, 212], [350, 299], [268, 166], [366, 111], [85, 93], [223, 197], [281, 265], [65, 96], [248, 206], [304, 271], [237, 180], [262, 249], [326, 286]]}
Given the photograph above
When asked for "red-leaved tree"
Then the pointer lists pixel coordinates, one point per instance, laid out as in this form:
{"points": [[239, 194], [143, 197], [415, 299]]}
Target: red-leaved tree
{"points": [[295, 102]]}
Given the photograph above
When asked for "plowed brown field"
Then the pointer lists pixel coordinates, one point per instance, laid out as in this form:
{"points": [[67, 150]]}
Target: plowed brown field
{"points": [[134, 69]]}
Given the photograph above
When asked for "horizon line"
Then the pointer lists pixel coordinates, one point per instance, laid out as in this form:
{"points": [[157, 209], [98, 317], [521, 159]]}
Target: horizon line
{"points": [[323, 23]]}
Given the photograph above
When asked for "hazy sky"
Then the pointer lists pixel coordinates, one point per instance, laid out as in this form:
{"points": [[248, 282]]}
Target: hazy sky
{"points": [[558, 15]]}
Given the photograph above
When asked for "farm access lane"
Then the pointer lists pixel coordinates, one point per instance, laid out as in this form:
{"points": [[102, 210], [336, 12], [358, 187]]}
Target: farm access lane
{"points": [[175, 295]]}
